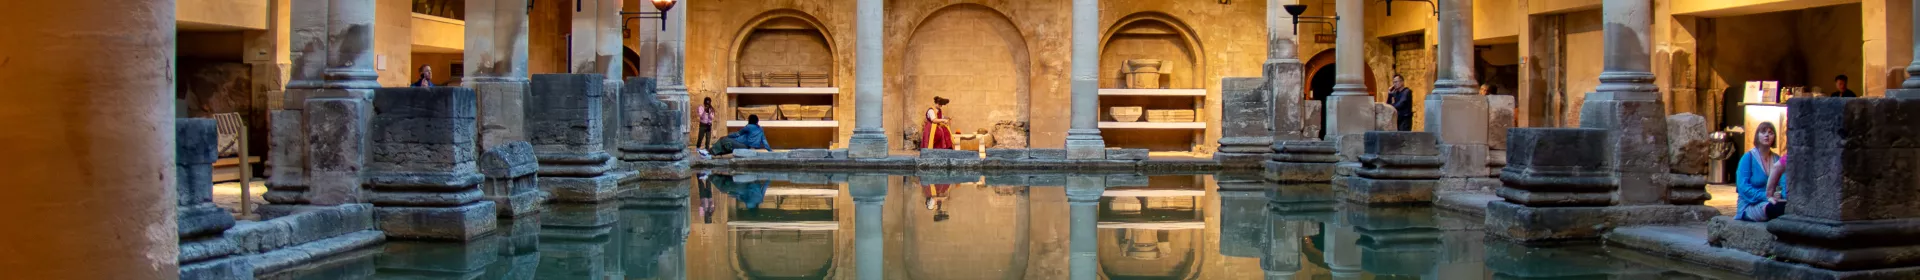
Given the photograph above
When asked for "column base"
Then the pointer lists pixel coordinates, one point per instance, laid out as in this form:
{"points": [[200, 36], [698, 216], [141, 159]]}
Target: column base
{"points": [[1465, 161], [584, 190], [519, 204], [867, 145], [1538, 225], [464, 222], [1299, 172], [502, 111], [1083, 143], [1371, 191]]}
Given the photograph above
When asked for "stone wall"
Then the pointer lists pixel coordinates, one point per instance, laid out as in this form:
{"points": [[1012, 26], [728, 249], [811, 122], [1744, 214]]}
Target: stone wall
{"points": [[393, 42]]}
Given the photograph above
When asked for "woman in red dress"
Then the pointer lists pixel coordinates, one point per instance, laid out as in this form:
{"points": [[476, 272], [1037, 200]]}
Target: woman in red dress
{"points": [[935, 133]]}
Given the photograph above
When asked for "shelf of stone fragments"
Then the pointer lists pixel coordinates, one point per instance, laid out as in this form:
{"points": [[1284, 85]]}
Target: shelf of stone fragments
{"points": [[1152, 92], [811, 124], [784, 90], [1153, 125]]}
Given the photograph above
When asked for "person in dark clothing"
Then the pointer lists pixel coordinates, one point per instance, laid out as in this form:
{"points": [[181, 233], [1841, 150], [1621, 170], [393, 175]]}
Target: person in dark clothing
{"points": [[1840, 88], [426, 77], [1402, 100], [749, 137]]}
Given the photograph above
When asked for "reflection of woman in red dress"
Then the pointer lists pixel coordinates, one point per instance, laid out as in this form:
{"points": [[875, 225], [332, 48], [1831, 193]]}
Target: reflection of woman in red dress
{"points": [[935, 133], [937, 199]]}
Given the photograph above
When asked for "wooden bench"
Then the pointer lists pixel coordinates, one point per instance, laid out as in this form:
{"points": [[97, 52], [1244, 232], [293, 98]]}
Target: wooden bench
{"points": [[233, 147]]}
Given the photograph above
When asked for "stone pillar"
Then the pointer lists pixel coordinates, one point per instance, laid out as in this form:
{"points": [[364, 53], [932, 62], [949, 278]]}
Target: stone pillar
{"points": [[421, 175], [597, 50], [654, 230], [1285, 75], [869, 199], [1244, 223], [1280, 259], [655, 149], [1399, 167], [565, 127], [869, 138], [1083, 197], [1456, 112], [1557, 175], [1343, 252], [670, 65], [200, 222], [1627, 103], [336, 109], [519, 248], [1850, 204], [1247, 124], [1910, 88], [1083, 136], [1349, 108], [496, 68], [90, 121]]}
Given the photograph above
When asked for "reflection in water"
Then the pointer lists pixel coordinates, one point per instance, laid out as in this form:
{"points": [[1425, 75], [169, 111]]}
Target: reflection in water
{"points": [[799, 226]]}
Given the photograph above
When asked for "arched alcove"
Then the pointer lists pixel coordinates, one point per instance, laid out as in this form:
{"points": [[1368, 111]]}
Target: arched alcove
{"points": [[791, 56], [973, 55], [784, 230], [982, 235], [1320, 75], [1152, 35]]}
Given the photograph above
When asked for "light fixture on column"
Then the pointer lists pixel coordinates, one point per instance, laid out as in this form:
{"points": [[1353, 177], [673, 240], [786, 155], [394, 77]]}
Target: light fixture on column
{"points": [[1296, 9], [662, 5], [1436, 7]]}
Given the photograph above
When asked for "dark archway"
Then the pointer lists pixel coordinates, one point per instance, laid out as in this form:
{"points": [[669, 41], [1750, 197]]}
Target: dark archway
{"points": [[1320, 76], [631, 63]]}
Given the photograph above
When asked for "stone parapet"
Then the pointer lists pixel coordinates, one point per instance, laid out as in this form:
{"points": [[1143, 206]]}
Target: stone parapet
{"points": [[422, 174], [1558, 187], [1247, 124], [1850, 211], [1302, 161], [655, 148]]}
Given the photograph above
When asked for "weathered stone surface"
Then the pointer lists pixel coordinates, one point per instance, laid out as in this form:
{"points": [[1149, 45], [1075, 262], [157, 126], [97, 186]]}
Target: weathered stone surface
{"points": [[1533, 225], [1287, 83], [1384, 117], [1852, 198], [1127, 154], [1007, 154], [1389, 191], [336, 149], [564, 113], [1247, 116], [1047, 153], [1500, 117], [1685, 243], [1749, 237], [501, 116], [1392, 143], [1086, 149], [651, 125], [1687, 142], [1557, 160], [581, 189], [450, 223], [1457, 119], [1010, 135], [1315, 119], [1638, 140], [226, 268], [948, 154], [195, 147], [1127, 180], [1465, 161], [510, 160], [1296, 172], [837, 154], [808, 153], [287, 152]]}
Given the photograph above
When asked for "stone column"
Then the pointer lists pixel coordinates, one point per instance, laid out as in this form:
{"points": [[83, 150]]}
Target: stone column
{"points": [[1628, 104], [201, 223], [869, 137], [496, 59], [1284, 75], [1349, 108], [1343, 254], [597, 50], [337, 112], [1280, 259], [1083, 197], [90, 117], [1083, 137], [287, 144], [421, 174], [1456, 112], [670, 64], [654, 230], [1246, 128], [869, 199], [1910, 88]]}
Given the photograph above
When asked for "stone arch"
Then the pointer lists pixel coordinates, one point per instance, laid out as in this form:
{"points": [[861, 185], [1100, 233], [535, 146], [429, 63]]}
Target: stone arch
{"points": [[1153, 31], [631, 62], [793, 27], [1324, 61], [971, 54]]}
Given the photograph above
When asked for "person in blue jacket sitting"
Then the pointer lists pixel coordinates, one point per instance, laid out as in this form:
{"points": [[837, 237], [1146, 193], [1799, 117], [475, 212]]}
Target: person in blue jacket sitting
{"points": [[750, 137], [1762, 191]]}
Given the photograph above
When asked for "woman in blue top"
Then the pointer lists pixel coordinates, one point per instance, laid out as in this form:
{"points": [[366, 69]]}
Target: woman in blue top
{"points": [[1761, 192]]}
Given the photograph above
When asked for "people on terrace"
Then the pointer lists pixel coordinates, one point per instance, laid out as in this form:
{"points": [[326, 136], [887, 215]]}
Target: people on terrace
{"points": [[1759, 181], [936, 134]]}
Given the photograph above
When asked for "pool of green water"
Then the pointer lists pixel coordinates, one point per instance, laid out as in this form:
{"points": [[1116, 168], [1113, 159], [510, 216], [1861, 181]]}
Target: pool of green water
{"points": [[1004, 226]]}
